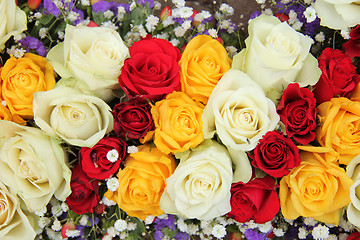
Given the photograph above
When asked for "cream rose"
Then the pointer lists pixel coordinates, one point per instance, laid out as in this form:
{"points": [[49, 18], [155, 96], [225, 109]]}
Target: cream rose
{"points": [[276, 55], [12, 21], [338, 14], [93, 56], [79, 119], [353, 210], [33, 165], [13, 222], [200, 186], [239, 113]]}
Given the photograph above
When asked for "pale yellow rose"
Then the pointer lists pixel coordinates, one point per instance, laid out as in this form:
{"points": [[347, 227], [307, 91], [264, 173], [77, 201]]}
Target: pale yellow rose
{"points": [[79, 119], [13, 222], [338, 14], [33, 165], [317, 188], [200, 185], [353, 210], [142, 182], [13, 21], [202, 64], [277, 55], [178, 124], [339, 127], [93, 56], [20, 78]]}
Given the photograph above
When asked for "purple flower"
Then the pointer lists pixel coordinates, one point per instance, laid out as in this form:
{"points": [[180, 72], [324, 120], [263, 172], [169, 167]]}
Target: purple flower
{"points": [[252, 234], [255, 14], [181, 236], [80, 17], [103, 6], [51, 8], [150, 2], [34, 44], [162, 223]]}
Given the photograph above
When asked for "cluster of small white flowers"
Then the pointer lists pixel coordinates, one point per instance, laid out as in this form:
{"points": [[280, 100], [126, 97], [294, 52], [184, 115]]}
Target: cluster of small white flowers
{"points": [[183, 12], [192, 229], [279, 232], [162, 36], [219, 231], [310, 221], [206, 227], [310, 14], [266, 227], [53, 235], [72, 233], [151, 22], [108, 14], [61, 35], [112, 184], [179, 3], [231, 51], [302, 233], [260, 1], [175, 42], [268, 12], [201, 16], [64, 206], [58, 4], [345, 33], [124, 235], [157, 6], [17, 52], [42, 32], [112, 155], [108, 202], [121, 12], [179, 31], [186, 25], [308, 1], [132, 5], [56, 226], [347, 226], [109, 24], [84, 220], [320, 232], [183, 227], [111, 231], [131, 226], [120, 225], [43, 222], [56, 210], [73, 16], [85, 2], [320, 37], [149, 219], [213, 33], [332, 237], [226, 9], [41, 212]]}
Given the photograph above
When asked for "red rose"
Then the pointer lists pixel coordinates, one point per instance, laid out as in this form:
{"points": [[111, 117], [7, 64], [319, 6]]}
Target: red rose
{"points": [[297, 111], [132, 119], [352, 47], [256, 200], [276, 154], [152, 71], [354, 236], [338, 77], [95, 161], [84, 192]]}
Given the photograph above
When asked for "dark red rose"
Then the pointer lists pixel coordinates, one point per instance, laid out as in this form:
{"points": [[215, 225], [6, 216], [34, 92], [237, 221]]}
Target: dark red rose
{"points": [[95, 162], [354, 236], [152, 71], [338, 78], [256, 200], [352, 46], [132, 119], [275, 154], [297, 111], [84, 192]]}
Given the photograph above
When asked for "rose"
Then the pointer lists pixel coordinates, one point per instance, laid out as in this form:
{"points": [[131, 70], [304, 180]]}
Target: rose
{"points": [[238, 112], [103, 159], [13, 21], [178, 124], [84, 192], [317, 188], [5, 114], [276, 52], [33, 165], [14, 224], [132, 119], [200, 185], [152, 60], [353, 210], [93, 56], [142, 182], [256, 200], [275, 154], [339, 126], [20, 78], [338, 78], [351, 46], [202, 64], [338, 14], [354, 236], [79, 119], [297, 111]]}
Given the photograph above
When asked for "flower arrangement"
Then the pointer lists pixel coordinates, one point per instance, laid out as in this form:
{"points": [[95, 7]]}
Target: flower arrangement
{"points": [[141, 121]]}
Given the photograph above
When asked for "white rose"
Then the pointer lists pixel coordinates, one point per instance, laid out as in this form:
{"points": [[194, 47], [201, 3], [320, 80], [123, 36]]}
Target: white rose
{"points": [[200, 186], [338, 14], [93, 55], [277, 55], [79, 119], [240, 114], [13, 21], [353, 210], [33, 165], [13, 222]]}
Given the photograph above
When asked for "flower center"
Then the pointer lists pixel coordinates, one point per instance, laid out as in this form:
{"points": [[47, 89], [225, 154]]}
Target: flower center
{"points": [[112, 155]]}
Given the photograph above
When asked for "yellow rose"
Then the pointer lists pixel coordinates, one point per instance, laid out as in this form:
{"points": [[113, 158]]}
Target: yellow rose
{"points": [[178, 124], [142, 182], [5, 114], [20, 78], [202, 64], [317, 188], [340, 127]]}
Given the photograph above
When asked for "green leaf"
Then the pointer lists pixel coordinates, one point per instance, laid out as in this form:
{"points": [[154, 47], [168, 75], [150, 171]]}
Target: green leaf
{"points": [[47, 19]]}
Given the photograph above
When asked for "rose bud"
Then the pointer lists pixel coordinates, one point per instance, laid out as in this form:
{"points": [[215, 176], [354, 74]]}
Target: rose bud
{"points": [[33, 4], [165, 13], [65, 227]]}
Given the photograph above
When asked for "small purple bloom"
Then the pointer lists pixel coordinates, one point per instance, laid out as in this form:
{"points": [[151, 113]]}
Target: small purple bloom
{"points": [[181, 236], [150, 2], [252, 234], [255, 14], [103, 6], [178, 20], [34, 44], [51, 8]]}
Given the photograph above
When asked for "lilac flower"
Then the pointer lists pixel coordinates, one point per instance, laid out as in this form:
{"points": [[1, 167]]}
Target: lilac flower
{"points": [[34, 44], [103, 6], [181, 236], [161, 223], [96, 219], [178, 20], [80, 17], [255, 14], [150, 2], [252, 234], [51, 8]]}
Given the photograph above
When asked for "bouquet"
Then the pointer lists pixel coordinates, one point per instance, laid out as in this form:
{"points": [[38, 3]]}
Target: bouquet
{"points": [[140, 121]]}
